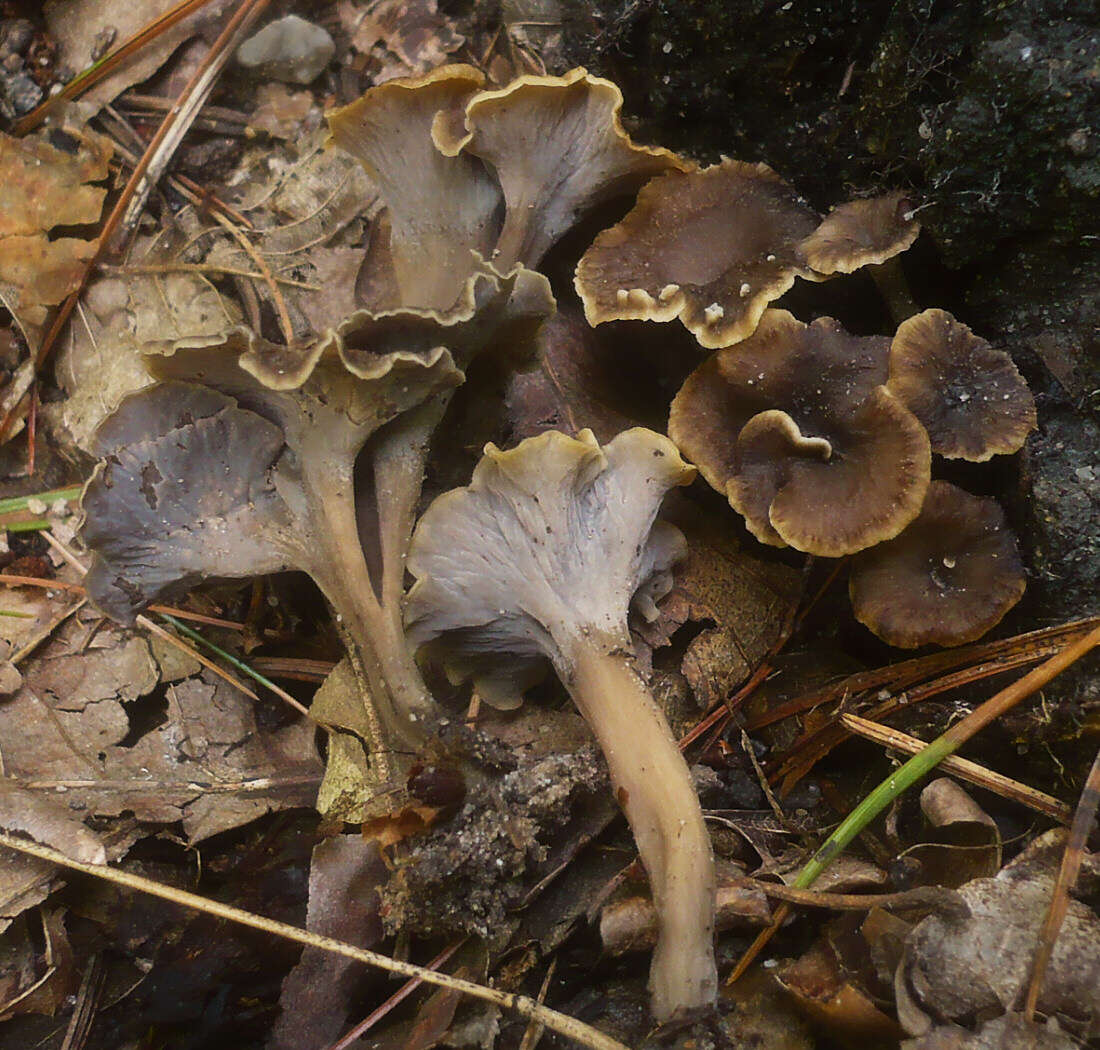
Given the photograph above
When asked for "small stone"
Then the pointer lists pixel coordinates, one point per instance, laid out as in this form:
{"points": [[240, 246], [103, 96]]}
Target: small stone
{"points": [[289, 49]]}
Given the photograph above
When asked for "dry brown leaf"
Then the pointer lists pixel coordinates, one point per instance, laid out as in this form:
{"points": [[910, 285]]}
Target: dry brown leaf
{"points": [[45, 821], [102, 359], [79, 26], [832, 1001], [280, 111], [743, 600], [39, 983], [206, 764], [43, 187], [965, 842], [412, 30]]}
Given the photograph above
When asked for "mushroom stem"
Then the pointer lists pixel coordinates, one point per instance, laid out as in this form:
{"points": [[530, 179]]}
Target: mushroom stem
{"points": [[893, 286], [341, 571], [654, 788]]}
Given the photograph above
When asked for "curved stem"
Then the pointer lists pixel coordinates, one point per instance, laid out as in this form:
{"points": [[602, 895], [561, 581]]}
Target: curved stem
{"points": [[341, 571], [654, 788]]}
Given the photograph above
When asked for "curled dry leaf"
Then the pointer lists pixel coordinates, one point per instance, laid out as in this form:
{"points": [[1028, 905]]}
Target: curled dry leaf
{"points": [[957, 967], [965, 843]]}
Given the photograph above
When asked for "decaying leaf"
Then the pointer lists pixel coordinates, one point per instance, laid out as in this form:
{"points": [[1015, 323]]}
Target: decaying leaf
{"points": [[835, 1003], [101, 360], [743, 600], [42, 819], [43, 187], [33, 982], [412, 31], [78, 25], [965, 842], [206, 763], [956, 967], [344, 876]]}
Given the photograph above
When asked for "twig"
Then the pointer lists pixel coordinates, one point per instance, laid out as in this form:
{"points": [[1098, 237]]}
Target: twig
{"points": [[394, 1000], [911, 772], [961, 767], [523, 1005]]}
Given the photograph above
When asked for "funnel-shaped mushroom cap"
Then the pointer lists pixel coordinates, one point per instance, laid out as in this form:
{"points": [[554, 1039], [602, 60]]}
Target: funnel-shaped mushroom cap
{"points": [[371, 367], [815, 453], [970, 398], [440, 208], [861, 233], [946, 580], [712, 247], [551, 539], [558, 147], [186, 491]]}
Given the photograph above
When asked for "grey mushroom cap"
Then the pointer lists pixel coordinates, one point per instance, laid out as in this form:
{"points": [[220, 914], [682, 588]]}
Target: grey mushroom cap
{"points": [[552, 538]]}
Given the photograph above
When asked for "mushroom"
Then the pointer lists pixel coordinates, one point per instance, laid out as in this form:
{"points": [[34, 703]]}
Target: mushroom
{"points": [[861, 233], [796, 428], [440, 209], [711, 247], [946, 580], [540, 557], [969, 397], [386, 378], [558, 147]]}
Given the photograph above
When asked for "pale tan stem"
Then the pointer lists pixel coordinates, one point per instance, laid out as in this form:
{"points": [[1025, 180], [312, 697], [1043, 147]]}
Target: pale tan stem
{"points": [[341, 571], [653, 785]]}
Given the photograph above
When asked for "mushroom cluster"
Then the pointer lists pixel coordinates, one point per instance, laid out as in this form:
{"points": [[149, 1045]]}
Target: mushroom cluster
{"points": [[253, 455], [477, 185], [823, 441]]}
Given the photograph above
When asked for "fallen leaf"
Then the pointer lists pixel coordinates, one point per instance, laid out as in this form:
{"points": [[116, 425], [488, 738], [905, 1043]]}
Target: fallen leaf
{"points": [[67, 732], [43, 187], [412, 30], [742, 600], [344, 876], [77, 26], [966, 843]]}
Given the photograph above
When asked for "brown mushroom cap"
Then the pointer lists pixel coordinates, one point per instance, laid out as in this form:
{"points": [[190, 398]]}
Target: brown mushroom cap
{"points": [[816, 453], [441, 208], [946, 580], [861, 233], [970, 397], [712, 247], [558, 147]]}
